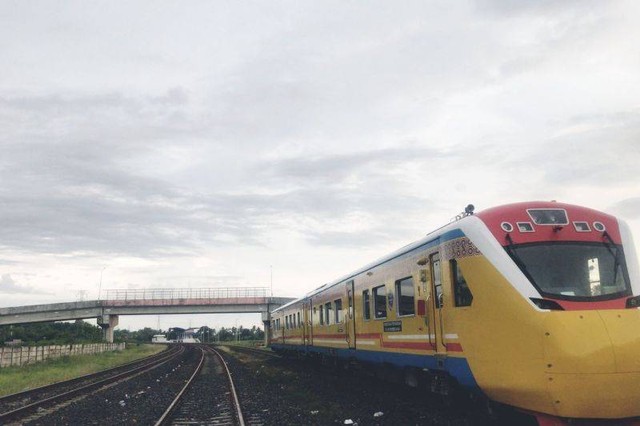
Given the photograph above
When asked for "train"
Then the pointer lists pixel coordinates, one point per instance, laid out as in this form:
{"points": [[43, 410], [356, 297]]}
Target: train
{"points": [[531, 305]]}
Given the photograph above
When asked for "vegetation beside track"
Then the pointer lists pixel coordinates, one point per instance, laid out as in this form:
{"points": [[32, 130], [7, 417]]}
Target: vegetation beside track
{"points": [[18, 379]]}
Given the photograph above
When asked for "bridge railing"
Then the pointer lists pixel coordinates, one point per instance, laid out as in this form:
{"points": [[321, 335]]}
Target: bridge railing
{"points": [[185, 293]]}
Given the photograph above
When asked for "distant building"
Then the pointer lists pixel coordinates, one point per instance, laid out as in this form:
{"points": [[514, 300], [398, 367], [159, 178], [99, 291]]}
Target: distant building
{"points": [[178, 335], [159, 338], [187, 336]]}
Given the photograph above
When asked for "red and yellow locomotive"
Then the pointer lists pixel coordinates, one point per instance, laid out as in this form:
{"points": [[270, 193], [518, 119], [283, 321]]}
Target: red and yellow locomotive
{"points": [[534, 305]]}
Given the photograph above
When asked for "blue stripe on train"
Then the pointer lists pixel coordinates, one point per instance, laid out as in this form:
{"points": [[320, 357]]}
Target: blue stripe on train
{"points": [[456, 367]]}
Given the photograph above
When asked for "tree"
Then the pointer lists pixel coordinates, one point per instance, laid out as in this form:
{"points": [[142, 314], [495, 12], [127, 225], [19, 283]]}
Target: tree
{"points": [[52, 333]]}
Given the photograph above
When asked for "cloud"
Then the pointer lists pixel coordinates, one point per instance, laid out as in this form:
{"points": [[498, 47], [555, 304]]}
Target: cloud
{"points": [[628, 208], [337, 167], [9, 286], [518, 7], [81, 198], [286, 127]]}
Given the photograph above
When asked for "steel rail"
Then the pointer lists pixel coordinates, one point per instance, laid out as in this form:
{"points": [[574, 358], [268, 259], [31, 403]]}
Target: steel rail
{"points": [[235, 400], [174, 404], [22, 394], [21, 411]]}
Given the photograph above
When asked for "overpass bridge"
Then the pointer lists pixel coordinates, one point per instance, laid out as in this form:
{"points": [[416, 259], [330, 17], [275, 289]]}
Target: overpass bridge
{"points": [[150, 302]]}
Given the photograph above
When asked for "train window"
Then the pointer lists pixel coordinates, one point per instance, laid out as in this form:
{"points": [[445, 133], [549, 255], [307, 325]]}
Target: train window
{"points": [[366, 305], [278, 324], [327, 312], [581, 226], [286, 322], [461, 292], [338, 313], [525, 227], [380, 302], [405, 295], [299, 325], [321, 316], [437, 280], [548, 216], [574, 271]]}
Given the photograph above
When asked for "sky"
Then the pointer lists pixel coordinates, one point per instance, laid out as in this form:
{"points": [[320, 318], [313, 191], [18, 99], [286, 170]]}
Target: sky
{"points": [[165, 144]]}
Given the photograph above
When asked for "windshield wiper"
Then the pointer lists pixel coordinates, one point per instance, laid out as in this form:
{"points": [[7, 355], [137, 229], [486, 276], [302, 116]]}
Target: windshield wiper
{"points": [[616, 262], [514, 256]]}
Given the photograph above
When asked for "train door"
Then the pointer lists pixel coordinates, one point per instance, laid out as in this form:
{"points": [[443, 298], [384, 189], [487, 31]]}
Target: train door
{"points": [[306, 323], [310, 322], [437, 303], [350, 317]]}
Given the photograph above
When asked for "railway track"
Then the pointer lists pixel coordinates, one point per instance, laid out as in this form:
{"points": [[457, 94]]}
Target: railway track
{"points": [[21, 406], [208, 397], [193, 387]]}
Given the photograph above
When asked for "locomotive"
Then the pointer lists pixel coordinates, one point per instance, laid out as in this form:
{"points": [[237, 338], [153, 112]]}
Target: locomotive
{"points": [[532, 305]]}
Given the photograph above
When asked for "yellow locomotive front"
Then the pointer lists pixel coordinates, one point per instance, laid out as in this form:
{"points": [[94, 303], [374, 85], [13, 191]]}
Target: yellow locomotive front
{"points": [[554, 327]]}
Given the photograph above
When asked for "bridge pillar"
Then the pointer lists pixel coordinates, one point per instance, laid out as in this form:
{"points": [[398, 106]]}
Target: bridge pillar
{"points": [[266, 320], [108, 323]]}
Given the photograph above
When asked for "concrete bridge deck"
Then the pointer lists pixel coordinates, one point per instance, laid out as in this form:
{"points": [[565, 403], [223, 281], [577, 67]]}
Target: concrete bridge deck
{"points": [[149, 302]]}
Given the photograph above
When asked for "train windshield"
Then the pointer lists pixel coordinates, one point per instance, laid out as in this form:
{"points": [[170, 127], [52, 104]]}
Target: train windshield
{"points": [[574, 271]]}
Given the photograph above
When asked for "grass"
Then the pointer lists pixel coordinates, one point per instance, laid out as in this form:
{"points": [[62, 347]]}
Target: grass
{"points": [[18, 379]]}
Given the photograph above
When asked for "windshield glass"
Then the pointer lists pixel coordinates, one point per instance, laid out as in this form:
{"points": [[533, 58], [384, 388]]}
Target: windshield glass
{"points": [[581, 271]]}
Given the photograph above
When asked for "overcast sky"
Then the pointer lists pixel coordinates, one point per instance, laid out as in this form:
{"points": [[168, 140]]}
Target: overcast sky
{"points": [[194, 144]]}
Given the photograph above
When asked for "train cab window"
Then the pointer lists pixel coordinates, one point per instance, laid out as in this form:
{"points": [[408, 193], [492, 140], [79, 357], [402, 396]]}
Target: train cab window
{"points": [[461, 292], [574, 271], [366, 305], [380, 302], [327, 312], [405, 295], [338, 312]]}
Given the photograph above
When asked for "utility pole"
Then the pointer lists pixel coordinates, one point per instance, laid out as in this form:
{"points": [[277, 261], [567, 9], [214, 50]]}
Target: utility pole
{"points": [[100, 285]]}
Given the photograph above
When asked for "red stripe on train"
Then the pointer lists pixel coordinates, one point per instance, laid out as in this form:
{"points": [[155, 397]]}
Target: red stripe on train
{"points": [[570, 305]]}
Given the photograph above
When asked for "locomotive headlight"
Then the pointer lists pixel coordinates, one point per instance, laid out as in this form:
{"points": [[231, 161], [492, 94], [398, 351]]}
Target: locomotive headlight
{"points": [[633, 302], [551, 305]]}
